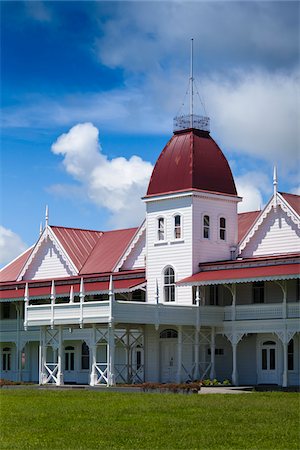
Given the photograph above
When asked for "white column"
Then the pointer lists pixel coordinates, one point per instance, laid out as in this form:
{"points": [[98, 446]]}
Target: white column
{"points": [[234, 376], [233, 311], [43, 355], [212, 373], [197, 329], [285, 365], [284, 304], [196, 372], [179, 354], [60, 375], [93, 353], [111, 354]]}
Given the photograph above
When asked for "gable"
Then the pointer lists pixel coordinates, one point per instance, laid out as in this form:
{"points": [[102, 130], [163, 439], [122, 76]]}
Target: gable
{"points": [[47, 263], [135, 259], [276, 234]]}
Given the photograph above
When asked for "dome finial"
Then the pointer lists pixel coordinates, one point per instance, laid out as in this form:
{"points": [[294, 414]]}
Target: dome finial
{"points": [[191, 120], [192, 84]]}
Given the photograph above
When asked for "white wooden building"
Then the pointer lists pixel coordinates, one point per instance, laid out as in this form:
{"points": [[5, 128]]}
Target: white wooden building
{"points": [[197, 291]]}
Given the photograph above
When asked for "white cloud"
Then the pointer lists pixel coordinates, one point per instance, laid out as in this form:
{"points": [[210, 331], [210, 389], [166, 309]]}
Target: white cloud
{"points": [[257, 114], [115, 184], [11, 245], [252, 186], [296, 190]]}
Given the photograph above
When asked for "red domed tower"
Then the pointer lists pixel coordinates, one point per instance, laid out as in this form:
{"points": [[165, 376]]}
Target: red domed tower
{"points": [[191, 205]]}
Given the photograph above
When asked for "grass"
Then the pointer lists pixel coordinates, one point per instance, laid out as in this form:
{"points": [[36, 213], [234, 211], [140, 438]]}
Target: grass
{"points": [[42, 419]]}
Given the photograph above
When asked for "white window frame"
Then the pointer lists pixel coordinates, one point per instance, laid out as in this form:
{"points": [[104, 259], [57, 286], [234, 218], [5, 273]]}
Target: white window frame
{"points": [[159, 230], [176, 227], [170, 285], [6, 359], [205, 227], [222, 228]]}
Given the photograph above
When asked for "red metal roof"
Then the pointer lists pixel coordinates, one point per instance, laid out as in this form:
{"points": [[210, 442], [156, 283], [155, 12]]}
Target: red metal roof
{"points": [[12, 270], [119, 285], [108, 250], [293, 200], [245, 222], [243, 274], [191, 160], [77, 243]]}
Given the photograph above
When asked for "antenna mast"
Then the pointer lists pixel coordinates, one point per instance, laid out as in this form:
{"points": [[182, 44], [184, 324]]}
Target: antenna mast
{"points": [[192, 84]]}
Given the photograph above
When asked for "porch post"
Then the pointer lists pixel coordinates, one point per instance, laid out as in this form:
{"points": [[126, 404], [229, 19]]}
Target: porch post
{"points": [[197, 329], [111, 354], [234, 375], [60, 377], [179, 354], [285, 363], [93, 350], [212, 373], [43, 355]]}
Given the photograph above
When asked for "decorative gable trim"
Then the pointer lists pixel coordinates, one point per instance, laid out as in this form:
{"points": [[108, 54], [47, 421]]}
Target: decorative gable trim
{"points": [[280, 202], [130, 247], [48, 234]]}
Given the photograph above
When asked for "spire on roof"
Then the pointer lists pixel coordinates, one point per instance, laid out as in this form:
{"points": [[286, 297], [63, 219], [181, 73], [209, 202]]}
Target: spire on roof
{"points": [[275, 183], [191, 120], [41, 228], [47, 216]]}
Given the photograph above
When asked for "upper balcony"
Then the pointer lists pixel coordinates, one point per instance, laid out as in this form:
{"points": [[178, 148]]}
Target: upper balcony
{"points": [[146, 313]]}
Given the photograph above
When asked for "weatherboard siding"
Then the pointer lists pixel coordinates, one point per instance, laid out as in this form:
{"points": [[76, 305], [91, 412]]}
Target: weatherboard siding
{"points": [[171, 252], [276, 235], [47, 264], [213, 249], [136, 258]]}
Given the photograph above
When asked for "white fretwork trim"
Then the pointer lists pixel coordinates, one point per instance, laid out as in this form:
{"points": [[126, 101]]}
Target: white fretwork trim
{"points": [[285, 206], [234, 338], [130, 247], [285, 336], [48, 233]]}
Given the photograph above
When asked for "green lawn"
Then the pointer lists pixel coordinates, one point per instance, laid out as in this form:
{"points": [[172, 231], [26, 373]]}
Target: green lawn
{"points": [[44, 419]]}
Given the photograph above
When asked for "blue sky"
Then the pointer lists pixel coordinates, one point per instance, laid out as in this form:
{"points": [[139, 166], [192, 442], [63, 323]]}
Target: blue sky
{"points": [[120, 69]]}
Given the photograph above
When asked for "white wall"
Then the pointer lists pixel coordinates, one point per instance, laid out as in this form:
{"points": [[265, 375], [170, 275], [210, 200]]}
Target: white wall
{"points": [[276, 235], [136, 258], [160, 254], [47, 263], [213, 249]]}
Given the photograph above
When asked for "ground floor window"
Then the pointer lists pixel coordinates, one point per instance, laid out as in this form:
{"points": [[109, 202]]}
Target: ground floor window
{"points": [[218, 351], [268, 356], [6, 359], [85, 356], [291, 355], [69, 358]]}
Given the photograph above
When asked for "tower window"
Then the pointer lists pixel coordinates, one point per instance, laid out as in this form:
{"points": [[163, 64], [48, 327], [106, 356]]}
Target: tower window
{"points": [[222, 228], [169, 284], [177, 227], [206, 228], [258, 292], [161, 229]]}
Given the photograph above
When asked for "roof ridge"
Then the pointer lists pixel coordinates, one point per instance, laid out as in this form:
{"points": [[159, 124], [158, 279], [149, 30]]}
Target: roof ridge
{"points": [[76, 228], [248, 212], [289, 193]]}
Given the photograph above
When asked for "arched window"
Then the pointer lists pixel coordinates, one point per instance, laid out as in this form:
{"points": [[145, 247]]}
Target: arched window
{"points": [[161, 229], [206, 228], [169, 284], [85, 356], [222, 228], [168, 334], [6, 359], [177, 227]]}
